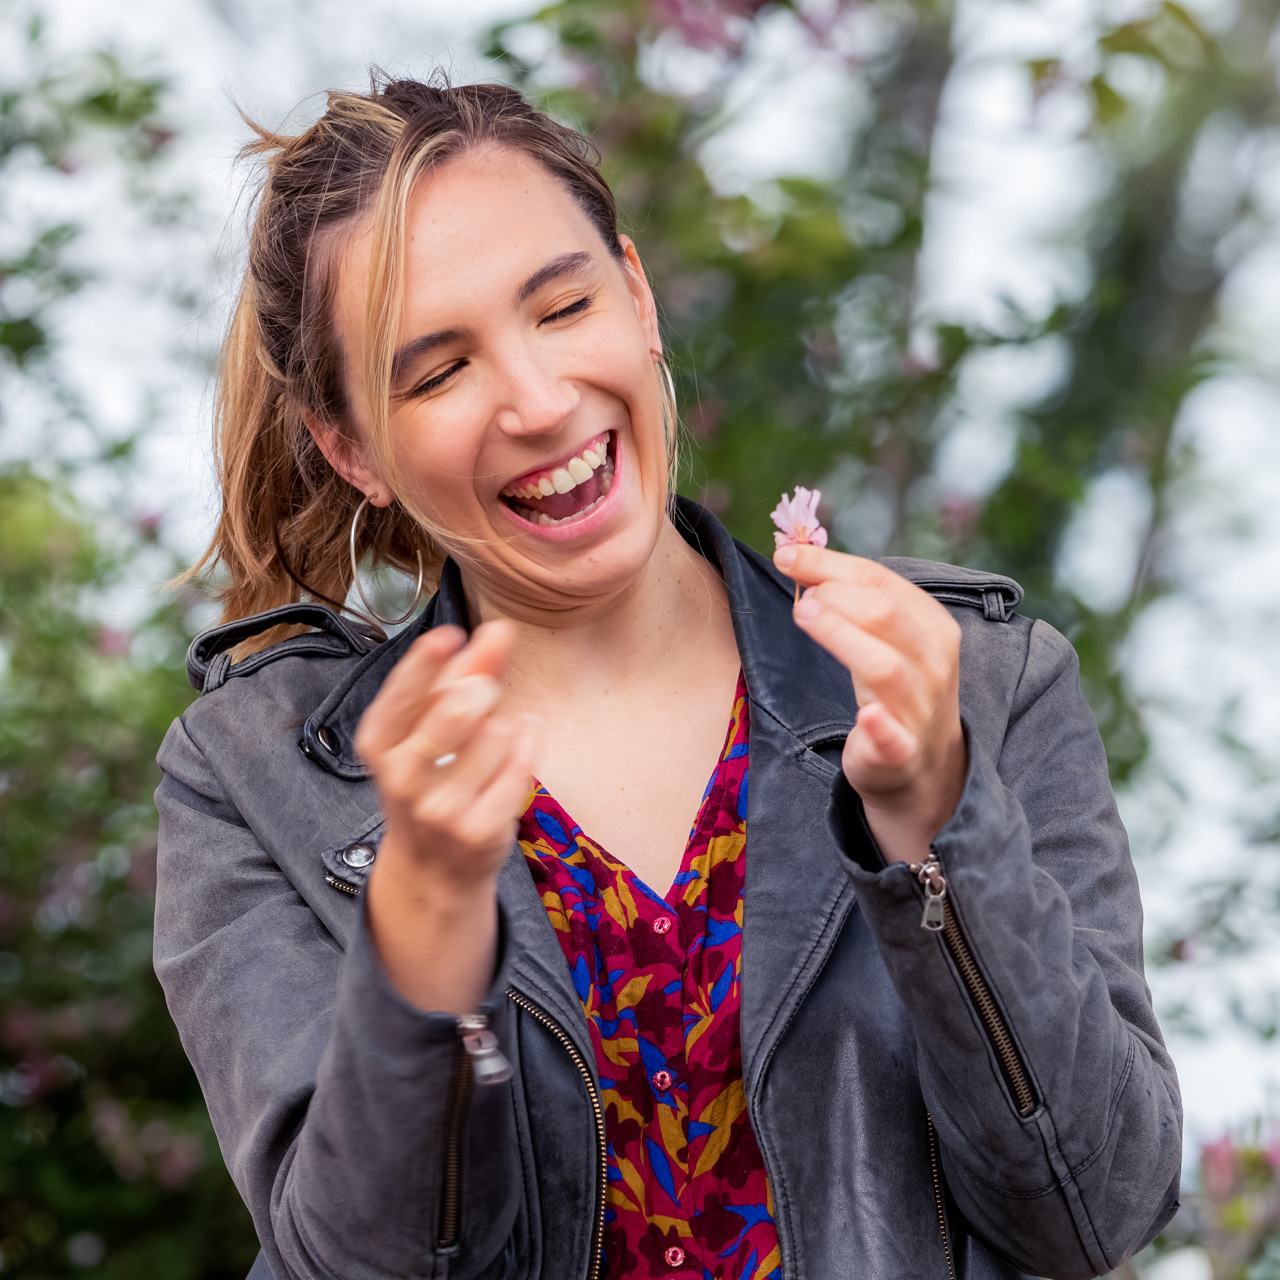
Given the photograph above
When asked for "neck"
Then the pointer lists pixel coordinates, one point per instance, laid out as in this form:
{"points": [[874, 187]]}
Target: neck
{"points": [[673, 617]]}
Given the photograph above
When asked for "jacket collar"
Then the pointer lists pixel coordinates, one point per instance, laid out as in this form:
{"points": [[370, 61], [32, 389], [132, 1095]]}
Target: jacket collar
{"points": [[794, 680], [788, 676], [796, 897]]}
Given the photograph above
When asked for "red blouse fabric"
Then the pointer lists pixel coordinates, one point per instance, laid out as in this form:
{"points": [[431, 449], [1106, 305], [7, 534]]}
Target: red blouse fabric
{"points": [[659, 981]]}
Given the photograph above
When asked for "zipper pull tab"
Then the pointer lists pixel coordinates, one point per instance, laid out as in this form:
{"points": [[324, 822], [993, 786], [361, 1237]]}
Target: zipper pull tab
{"points": [[929, 873], [487, 1061]]}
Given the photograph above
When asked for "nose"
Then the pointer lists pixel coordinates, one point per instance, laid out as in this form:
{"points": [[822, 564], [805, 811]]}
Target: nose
{"points": [[535, 395]]}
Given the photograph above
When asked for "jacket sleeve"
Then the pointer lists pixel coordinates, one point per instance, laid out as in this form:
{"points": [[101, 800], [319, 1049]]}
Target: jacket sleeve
{"points": [[1073, 1178], [331, 1096]]}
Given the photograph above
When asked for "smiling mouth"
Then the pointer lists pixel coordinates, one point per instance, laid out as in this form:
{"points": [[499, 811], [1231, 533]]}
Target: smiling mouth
{"points": [[569, 491]]}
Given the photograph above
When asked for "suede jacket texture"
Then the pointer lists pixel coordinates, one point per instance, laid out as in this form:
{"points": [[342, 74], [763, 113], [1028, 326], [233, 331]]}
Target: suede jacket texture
{"points": [[986, 1098]]}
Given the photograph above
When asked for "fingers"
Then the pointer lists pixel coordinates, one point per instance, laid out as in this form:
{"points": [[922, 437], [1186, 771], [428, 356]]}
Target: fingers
{"points": [[881, 671], [433, 662], [485, 654], [406, 690], [452, 718], [879, 744], [466, 811], [908, 619], [495, 808], [447, 796], [875, 598], [809, 565]]}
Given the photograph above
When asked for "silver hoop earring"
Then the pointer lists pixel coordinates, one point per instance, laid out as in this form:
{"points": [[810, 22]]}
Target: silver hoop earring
{"points": [[355, 575], [671, 382]]}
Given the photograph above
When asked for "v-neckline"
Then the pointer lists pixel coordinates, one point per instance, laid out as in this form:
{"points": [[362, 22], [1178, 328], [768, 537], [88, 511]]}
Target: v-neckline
{"points": [[690, 844]]}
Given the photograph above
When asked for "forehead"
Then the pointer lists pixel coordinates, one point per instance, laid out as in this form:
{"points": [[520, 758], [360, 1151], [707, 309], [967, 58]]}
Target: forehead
{"points": [[474, 229], [487, 200]]}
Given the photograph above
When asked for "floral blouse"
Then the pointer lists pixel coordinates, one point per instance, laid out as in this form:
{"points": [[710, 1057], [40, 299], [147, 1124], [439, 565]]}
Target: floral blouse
{"points": [[659, 978]]}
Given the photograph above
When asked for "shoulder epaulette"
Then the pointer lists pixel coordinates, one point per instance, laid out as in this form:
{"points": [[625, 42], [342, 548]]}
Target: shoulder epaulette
{"points": [[209, 664], [993, 593]]}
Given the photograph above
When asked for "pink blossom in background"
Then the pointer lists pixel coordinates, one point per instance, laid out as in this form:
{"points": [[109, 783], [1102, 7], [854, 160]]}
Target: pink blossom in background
{"points": [[1218, 1168], [797, 519]]}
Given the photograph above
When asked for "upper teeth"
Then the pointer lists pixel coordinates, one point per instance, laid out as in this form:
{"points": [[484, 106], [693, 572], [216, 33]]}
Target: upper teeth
{"points": [[567, 477]]}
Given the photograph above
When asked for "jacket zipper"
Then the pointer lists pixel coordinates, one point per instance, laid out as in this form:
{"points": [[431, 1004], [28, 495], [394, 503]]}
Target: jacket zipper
{"points": [[597, 1109], [935, 1165], [477, 1060], [938, 917]]}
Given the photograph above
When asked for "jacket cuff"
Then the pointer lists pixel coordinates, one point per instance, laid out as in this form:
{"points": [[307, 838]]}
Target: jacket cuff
{"points": [[389, 1023], [847, 821]]}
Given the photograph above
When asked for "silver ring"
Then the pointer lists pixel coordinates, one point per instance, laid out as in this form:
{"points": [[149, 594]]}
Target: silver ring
{"points": [[444, 761]]}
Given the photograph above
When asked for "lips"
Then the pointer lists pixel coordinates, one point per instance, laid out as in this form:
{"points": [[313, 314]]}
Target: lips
{"points": [[567, 491]]}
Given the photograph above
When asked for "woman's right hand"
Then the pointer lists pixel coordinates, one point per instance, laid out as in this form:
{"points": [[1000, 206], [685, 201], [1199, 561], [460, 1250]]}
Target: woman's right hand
{"points": [[452, 774]]}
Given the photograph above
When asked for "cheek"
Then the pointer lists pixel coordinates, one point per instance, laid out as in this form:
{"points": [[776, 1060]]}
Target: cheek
{"points": [[434, 451]]}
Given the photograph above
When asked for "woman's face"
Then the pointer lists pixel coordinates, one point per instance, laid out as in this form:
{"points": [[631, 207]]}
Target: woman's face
{"points": [[526, 415]]}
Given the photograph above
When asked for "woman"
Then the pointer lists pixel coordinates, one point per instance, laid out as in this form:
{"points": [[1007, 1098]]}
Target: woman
{"points": [[879, 1013]]}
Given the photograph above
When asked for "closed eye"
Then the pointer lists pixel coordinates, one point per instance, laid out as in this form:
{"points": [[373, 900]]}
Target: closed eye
{"points": [[573, 309], [433, 384]]}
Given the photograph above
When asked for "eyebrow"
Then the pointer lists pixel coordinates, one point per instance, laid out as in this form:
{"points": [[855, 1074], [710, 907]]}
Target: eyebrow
{"points": [[419, 347], [566, 264]]}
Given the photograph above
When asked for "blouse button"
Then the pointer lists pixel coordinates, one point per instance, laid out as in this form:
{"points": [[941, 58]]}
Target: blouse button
{"points": [[662, 1082], [674, 1256], [662, 925]]}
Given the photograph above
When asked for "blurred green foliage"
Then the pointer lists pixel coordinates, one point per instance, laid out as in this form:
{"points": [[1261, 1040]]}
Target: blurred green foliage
{"points": [[800, 350], [108, 1166], [801, 354]]}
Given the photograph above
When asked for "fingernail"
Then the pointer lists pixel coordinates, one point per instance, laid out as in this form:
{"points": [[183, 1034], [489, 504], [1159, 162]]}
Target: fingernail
{"points": [[784, 557], [808, 608]]}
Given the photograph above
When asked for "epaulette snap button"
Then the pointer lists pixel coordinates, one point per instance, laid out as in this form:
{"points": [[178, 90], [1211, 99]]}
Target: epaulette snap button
{"points": [[358, 855], [328, 739]]}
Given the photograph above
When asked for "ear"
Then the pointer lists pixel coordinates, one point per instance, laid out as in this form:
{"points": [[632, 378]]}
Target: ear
{"points": [[347, 459], [642, 295]]}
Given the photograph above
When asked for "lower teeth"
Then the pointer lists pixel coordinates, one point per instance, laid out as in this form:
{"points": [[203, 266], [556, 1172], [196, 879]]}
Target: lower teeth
{"points": [[541, 517]]}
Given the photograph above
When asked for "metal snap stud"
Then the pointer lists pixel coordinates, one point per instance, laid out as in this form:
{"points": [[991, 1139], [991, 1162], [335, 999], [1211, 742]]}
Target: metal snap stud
{"points": [[328, 739], [358, 855]]}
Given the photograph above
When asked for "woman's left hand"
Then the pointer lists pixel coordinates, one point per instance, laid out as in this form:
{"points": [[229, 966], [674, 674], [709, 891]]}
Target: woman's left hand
{"points": [[906, 756]]}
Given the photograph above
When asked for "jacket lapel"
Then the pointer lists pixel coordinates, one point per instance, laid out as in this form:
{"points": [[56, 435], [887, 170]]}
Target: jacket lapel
{"points": [[796, 897]]}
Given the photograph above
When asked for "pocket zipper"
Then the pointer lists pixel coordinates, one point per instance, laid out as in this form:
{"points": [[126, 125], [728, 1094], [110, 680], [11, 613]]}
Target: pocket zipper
{"points": [[938, 917], [597, 1110]]}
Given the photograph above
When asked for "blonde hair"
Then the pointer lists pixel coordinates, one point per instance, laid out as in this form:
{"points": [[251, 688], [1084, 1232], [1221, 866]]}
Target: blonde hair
{"points": [[283, 529]]}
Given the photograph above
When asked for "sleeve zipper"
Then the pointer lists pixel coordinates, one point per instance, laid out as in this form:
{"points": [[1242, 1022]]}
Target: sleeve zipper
{"points": [[477, 1061], [938, 917]]}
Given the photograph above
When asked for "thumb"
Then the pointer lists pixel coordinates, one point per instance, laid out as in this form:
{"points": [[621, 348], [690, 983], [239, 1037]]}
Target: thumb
{"points": [[486, 653]]}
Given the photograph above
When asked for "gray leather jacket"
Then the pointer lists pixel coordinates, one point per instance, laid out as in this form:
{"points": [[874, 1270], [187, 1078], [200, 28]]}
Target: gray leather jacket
{"points": [[981, 1100]]}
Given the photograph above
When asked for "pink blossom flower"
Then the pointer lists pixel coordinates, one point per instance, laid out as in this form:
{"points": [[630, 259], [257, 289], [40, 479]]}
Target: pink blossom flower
{"points": [[797, 519], [1218, 1167]]}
